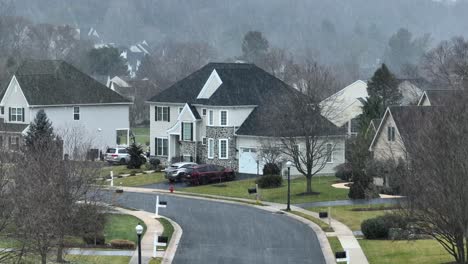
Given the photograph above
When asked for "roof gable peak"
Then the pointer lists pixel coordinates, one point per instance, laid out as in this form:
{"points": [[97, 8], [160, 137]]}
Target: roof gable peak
{"points": [[211, 86]]}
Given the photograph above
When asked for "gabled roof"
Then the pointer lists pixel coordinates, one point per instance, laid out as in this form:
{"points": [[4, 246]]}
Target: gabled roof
{"points": [[242, 84], [408, 120], [55, 82], [441, 97]]}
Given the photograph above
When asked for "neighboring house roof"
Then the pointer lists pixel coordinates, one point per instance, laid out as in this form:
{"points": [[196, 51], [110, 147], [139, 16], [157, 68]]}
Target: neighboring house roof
{"points": [[12, 127], [195, 112], [373, 126], [408, 120], [345, 104], [440, 97], [55, 82]]}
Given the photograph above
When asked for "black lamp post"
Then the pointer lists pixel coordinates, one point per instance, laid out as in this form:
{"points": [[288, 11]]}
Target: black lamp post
{"points": [[139, 231], [289, 164]]}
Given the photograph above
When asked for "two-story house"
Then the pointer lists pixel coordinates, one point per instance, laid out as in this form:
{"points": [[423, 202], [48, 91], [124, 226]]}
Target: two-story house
{"points": [[79, 107], [219, 115]]}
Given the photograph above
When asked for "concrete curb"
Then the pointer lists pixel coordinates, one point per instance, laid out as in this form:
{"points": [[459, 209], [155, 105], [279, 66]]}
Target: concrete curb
{"points": [[271, 207], [174, 243]]}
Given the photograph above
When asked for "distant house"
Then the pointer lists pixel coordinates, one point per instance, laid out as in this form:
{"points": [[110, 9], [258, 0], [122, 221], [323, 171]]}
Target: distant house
{"points": [[220, 114], [411, 90], [373, 127], [76, 104], [134, 56], [343, 107]]}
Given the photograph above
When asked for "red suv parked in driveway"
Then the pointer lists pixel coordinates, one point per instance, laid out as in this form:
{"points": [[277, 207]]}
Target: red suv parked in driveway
{"points": [[206, 173]]}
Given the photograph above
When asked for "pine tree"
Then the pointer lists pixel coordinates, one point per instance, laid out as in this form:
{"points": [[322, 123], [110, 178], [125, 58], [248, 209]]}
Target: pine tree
{"points": [[384, 85], [40, 135], [136, 160]]}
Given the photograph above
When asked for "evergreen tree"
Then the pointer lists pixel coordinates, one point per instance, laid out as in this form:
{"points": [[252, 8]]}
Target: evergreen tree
{"points": [[136, 160], [371, 109], [254, 47], [384, 85], [40, 135]]}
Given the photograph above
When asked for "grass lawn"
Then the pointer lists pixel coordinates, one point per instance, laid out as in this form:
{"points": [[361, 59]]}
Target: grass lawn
{"points": [[142, 135], [121, 226], [418, 251], [139, 180], [353, 219], [168, 231], [335, 244], [155, 261], [298, 186], [118, 169], [324, 226], [80, 259]]}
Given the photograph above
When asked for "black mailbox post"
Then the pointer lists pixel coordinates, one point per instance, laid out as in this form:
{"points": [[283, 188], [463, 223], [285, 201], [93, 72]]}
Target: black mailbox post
{"points": [[252, 190]]}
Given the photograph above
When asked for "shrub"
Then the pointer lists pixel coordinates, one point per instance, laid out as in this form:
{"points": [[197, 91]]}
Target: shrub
{"points": [[91, 239], [269, 181], [122, 244], [344, 171], [136, 160], [379, 227], [154, 163], [271, 169]]}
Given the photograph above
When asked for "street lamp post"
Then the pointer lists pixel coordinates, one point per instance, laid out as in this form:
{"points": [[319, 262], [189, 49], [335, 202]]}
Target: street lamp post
{"points": [[289, 164], [139, 231]]}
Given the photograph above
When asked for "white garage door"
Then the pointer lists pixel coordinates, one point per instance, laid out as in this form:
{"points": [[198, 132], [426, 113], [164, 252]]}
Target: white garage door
{"points": [[248, 160]]}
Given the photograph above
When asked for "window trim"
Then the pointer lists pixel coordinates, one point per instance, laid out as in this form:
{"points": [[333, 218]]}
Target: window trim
{"points": [[156, 153], [221, 119], [210, 148], [220, 156], [160, 110], [210, 118], [21, 115], [76, 113], [190, 124]]}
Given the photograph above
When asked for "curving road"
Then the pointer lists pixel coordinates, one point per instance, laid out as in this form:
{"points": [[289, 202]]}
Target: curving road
{"points": [[216, 232]]}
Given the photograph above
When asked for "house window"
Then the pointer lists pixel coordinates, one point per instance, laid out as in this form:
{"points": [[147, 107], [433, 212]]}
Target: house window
{"points": [[76, 113], [203, 111], [223, 118], [2, 110], [204, 141], [210, 117], [391, 133], [295, 149], [187, 131], [16, 114], [329, 153], [180, 109], [210, 148], [223, 148], [13, 142], [161, 146], [162, 113], [1, 142]]}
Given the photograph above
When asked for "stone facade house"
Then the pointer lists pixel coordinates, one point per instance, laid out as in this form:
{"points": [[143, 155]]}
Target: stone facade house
{"points": [[220, 114]]}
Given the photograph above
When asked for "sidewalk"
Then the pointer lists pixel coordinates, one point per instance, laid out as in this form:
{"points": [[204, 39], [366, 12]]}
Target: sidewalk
{"points": [[343, 233], [153, 226]]}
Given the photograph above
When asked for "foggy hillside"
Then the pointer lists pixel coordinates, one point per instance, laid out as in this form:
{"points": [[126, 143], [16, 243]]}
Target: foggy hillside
{"points": [[295, 25]]}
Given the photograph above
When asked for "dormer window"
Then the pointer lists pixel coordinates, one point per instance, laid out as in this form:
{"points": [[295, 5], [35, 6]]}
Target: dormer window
{"points": [[391, 133]]}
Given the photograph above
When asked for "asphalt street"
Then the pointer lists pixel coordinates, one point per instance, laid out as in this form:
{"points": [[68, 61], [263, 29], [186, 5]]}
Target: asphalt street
{"points": [[221, 233]]}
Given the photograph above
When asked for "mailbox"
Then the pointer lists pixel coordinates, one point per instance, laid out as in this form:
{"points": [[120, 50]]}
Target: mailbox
{"points": [[252, 190], [162, 203], [323, 214], [340, 254], [162, 239]]}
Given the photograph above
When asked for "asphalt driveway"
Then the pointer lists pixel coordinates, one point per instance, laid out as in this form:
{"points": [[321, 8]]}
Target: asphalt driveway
{"points": [[216, 232]]}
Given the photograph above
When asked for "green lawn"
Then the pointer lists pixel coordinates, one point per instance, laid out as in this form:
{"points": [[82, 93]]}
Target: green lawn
{"points": [[119, 169], [119, 226], [142, 135], [168, 230], [80, 259], [298, 186], [335, 244], [139, 180], [353, 219], [155, 261], [408, 252], [324, 226]]}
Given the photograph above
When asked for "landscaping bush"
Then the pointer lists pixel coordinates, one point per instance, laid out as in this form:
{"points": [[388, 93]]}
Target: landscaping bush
{"points": [[378, 228], [271, 169], [269, 181], [91, 239], [122, 244], [154, 163], [136, 160], [344, 171]]}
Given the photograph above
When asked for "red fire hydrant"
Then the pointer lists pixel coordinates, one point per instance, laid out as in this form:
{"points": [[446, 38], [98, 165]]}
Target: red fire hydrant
{"points": [[171, 188]]}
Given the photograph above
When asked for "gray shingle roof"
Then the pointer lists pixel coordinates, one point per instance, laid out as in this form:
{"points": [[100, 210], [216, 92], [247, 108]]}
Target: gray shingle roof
{"points": [[443, 97], [410, 119], [55, 82], [11, 127]]}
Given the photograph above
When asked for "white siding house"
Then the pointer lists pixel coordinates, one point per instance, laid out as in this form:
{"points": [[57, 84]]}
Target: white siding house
{"points": [[77, 105]]}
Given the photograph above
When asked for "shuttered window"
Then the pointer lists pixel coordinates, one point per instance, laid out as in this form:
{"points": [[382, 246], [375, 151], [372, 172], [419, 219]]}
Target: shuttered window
{"points": [[16, 114], [162, 113]]}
